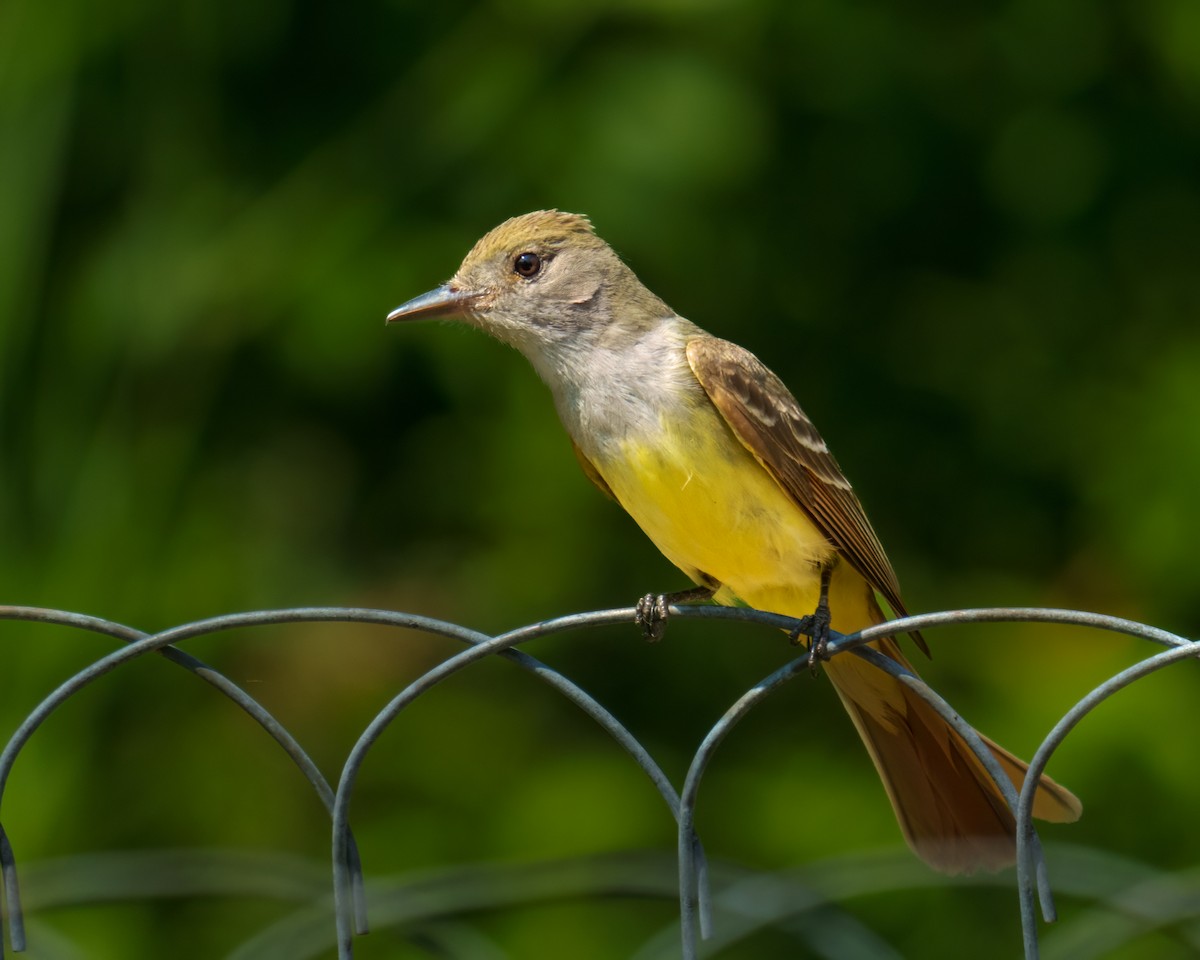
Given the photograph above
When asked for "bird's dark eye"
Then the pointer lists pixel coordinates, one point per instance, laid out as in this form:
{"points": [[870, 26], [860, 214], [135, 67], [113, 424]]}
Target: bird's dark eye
{"points": [[527, 265]]}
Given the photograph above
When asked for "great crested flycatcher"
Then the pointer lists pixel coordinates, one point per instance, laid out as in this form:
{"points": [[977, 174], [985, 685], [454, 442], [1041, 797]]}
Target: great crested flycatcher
{"points": [[713, 458]]}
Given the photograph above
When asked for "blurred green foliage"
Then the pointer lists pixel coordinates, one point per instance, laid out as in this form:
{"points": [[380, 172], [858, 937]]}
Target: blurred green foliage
{"points": [[967, 235]]}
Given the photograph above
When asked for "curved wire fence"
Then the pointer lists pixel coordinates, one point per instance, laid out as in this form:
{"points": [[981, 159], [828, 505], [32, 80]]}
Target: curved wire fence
{"points": [[692, 881]]}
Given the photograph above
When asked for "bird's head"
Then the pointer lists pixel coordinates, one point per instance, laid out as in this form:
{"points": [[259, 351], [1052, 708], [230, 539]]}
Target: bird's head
{"points": [[538, 280]]}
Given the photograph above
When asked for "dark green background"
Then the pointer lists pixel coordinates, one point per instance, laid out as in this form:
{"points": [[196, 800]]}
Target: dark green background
{"points": [[966, 234]]}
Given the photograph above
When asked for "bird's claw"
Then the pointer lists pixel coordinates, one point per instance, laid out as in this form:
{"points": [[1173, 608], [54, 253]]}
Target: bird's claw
{"points": [[651, 615], [652, 610], [816, 627]]}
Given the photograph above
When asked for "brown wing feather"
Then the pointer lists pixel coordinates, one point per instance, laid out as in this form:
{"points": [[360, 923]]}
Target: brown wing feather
{"points": [[591, 472], [766, 418]]}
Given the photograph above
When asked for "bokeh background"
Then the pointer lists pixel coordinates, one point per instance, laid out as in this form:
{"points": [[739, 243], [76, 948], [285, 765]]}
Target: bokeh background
{"points": [[966, 234]]}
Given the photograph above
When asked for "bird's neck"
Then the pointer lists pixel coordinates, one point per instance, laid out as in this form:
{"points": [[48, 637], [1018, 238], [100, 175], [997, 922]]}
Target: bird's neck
{"points": [[618, 381]]}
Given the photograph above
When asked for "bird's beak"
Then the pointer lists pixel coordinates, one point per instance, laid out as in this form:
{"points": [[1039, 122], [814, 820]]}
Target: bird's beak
{"points": [[444, 301]]}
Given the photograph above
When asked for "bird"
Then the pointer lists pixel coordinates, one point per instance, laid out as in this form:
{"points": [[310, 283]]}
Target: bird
{"points": [[712, 456]]}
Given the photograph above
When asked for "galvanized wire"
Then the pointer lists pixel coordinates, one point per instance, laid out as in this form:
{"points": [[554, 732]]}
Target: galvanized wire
{"points": [[276, 730], [694, 899]]}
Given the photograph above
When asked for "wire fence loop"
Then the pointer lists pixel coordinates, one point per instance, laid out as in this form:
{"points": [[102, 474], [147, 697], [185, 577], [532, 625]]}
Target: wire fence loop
{"points": [[696, 916]]}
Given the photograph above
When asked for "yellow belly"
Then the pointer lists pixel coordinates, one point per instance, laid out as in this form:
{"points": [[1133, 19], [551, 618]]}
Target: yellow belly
{"points": [[717, 514]]}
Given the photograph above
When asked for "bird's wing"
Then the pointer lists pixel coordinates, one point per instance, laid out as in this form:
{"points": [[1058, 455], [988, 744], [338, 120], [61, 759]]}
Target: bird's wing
{"points": [[768, 421]]}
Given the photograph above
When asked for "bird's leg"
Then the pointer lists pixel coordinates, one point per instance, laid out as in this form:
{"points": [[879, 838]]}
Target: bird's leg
{"points": [[651, 613], [816, 625]]}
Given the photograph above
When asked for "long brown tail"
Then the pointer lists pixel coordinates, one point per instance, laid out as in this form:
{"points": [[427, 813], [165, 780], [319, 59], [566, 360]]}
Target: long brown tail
{"points": [[951, 812]]}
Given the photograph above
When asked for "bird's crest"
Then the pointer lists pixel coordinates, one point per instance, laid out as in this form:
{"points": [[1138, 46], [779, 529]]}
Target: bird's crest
{"points": [[545, 229]]}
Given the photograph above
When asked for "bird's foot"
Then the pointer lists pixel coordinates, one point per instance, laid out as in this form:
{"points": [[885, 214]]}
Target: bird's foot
{"points": [[816, 627], [651, 616], [651, 611]]}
